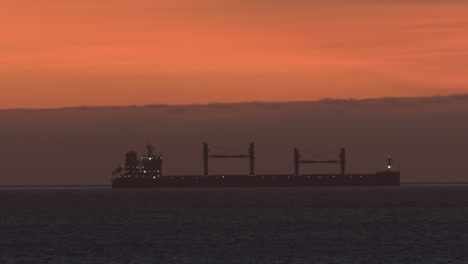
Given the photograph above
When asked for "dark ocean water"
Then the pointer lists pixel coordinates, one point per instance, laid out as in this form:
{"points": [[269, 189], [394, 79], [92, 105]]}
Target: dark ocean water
{"points": [[408, 224]]}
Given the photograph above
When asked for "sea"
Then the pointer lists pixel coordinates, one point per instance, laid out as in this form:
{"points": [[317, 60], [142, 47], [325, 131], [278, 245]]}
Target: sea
{"points": [[407, 224]]}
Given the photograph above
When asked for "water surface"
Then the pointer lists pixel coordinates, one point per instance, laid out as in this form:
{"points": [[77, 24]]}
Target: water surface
{"points": [[407, 224]]}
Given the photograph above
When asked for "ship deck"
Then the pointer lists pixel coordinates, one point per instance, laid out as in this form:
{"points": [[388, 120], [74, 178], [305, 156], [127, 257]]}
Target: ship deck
{"points": [[259, 180]]}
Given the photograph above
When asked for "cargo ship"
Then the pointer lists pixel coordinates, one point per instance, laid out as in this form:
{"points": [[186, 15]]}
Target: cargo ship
{"points": [[146, 172]]}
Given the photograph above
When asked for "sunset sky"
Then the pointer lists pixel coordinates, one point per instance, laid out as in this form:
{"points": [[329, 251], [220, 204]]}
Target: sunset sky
{"points": [[58, 53]]}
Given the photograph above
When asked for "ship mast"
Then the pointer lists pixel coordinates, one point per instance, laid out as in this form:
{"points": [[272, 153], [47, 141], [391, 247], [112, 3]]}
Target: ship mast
{"points": [[150, 148], [389, 163]]}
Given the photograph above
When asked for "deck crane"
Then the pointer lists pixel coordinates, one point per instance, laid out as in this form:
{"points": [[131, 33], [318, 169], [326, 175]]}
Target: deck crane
{"points": [[208, 155], [341, 160]]}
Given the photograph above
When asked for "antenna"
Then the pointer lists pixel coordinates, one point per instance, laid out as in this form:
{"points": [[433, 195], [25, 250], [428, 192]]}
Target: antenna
{"points": [[149, 147]]}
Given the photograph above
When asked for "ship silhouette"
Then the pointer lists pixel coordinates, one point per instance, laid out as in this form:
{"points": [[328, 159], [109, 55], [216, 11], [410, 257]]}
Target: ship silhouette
{"points": [[146, 172]]}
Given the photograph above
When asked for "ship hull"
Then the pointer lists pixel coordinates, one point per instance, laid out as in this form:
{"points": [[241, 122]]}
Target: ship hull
{"points": [[197, 181]]}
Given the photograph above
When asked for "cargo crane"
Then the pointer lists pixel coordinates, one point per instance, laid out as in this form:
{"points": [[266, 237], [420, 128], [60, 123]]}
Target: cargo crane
{"points": [[341, 160], [208, 155]]}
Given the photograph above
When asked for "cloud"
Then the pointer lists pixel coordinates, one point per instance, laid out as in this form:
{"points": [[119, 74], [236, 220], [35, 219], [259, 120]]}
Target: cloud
{"points": [[426, 136]]}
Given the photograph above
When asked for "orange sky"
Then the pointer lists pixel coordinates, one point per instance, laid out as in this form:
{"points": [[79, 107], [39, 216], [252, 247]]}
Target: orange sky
{"points": [[57, 53]]}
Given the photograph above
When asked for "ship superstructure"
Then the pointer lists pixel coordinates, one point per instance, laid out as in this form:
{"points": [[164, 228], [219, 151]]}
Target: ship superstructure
{"points": [[148, 167], [147, 173]]}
